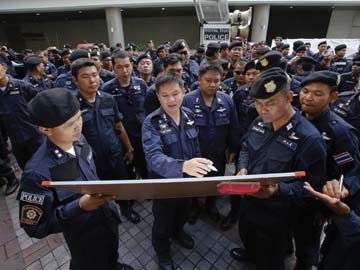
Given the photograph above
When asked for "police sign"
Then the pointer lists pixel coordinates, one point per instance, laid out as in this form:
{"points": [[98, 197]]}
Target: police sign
{"points": [[215, 33]]}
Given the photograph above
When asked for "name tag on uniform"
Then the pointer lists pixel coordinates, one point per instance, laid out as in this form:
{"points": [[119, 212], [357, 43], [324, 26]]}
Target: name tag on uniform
{"points": [[287, 143], [258, 130], [14, 92], [340, 112], [32, 198]]}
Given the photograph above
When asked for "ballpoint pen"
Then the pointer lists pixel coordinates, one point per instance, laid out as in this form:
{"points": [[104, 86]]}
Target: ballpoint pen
{"points": [[341, 183]]}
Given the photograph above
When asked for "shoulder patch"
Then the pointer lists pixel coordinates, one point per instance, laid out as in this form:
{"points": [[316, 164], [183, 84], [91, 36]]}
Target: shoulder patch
{"points": [[343, 158], [289, 144], [32, 198], [31, 214]]}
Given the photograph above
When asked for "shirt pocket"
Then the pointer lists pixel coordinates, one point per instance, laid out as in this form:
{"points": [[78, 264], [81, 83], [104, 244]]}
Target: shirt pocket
{"points": [[170, 138]]}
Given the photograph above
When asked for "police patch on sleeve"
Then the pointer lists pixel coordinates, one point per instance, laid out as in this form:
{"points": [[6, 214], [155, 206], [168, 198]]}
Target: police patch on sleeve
{"points": [[30, 214], [32, 198], [343, 158]]}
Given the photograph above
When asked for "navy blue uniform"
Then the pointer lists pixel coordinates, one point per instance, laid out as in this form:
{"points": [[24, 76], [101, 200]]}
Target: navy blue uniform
{"points": [[63, 70], [347, 105], [130, 102], [264, 224], [7, 61], [40, 85], [222, 88], [24, 135], [341, 65], [65, 81], [192, 70], [232, 84], [301, 77], [348, 82], [106, 75], [50, 69], [166, 147], [218, 126], [92, 236]]}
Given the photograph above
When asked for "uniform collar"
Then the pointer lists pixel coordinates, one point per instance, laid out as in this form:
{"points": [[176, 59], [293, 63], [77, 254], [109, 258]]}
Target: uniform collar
{"points": [[218, 101], [60, 155]]}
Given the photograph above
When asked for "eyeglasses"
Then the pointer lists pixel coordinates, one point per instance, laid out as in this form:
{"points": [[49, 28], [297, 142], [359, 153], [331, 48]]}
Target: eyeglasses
{"points": [[356, 64], [238, 72]]}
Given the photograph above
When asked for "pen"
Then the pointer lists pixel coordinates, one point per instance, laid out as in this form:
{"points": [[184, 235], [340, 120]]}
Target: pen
{"points": [[341, 183]]}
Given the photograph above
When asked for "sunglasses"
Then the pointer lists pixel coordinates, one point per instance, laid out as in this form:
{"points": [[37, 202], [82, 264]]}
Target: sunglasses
{"points": [[238, 72], [356, 64]]}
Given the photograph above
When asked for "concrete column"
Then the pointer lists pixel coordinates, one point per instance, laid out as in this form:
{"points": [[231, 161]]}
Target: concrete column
{"points": [[114, 26], [259, 25], [344, 24]]}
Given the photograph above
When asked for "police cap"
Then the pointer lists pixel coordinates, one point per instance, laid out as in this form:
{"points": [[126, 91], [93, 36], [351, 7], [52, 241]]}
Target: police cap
{"points": [[94, 53], [307, 60], [324, 76], [285, 46], [79, 53], [322, 43], [28, 50], [105, 54], [32, 60], [224, 45], [269, 83], [143, 56], [340, 47], [178, 45], [301, 48], [201, 49], [53, 107], [65, 52], [269, 60], [235, 43], [297, 44]]}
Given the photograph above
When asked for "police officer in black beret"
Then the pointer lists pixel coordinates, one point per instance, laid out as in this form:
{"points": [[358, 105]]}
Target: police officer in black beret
{"points": [[104, 74], [161, 53], [290, 143], [199, 55], [296, 45], [305, 66], [236, 53], [36, 73], [65, 58], [339, 60], [342, 140], [50, 69], [89, 223], [224, 51], [284, 49], [322, 47], [105, 57], [145, 68], [212, 53]]}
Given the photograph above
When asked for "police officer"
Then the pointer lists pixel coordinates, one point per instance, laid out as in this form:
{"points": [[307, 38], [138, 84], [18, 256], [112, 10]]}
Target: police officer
{"points": [[340, 250], [347, 106], [284, 49], [6, 56], [129, 93], [170, 140], [235, 54], [237, 79], [24, 136], [305, 66], [36, 74], [293, 62], [349, 80], [65, 80], [191, 68], [199, 55], [104, 74], [173, 63], [145, 68], [224, 51], [161, 53], [342, 141], [340, 62], [106, 60], [296, 45], [322, 48], [65, 58], [102, 127], [216, 119], [324, 62], [89, 223], [212, 53], [290, 143], [50, 68]]}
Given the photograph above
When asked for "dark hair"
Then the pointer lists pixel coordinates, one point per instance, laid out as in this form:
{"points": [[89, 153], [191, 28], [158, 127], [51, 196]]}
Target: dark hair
{"points": [[306, 66], [208, 66], [119, 55], [173, 59], [80, 63], [165, 78], [211, 52]]}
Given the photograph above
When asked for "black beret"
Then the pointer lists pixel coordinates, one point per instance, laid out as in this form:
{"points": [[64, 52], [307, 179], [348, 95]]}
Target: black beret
{"points": [[322, 43], [285, 46], [133, 45], [65, 52], [224, 63], [235, 43], [262, 51], [340, 47], [213, 46], [201, 49], [300, 48], [161, 47], [269, 83], [178, 45], [32, 60], [324, 76], [129, 47], [250, 65], [28, 50], [356, 58], [143, 56], [297, 44], [68, 46], [105, 54], [53, 107], [133, 58], [94, 53], [306, 59], [224, 45], [79, 53], [269, 60]]}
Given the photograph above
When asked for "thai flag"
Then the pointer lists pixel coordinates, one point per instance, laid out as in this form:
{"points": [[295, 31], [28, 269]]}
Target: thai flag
{"points": [[343, 158]]}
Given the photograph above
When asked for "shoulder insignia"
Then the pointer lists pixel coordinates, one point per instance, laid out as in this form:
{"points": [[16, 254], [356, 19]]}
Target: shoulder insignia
{"points": [[287, 143], [343, 158], [30, 214], [293, 137], [32, 198], [289, 126], [325, 137]]}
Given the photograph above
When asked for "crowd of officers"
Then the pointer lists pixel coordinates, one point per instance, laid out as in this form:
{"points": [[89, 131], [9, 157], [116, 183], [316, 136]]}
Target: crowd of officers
{"points": [[116, 114]]}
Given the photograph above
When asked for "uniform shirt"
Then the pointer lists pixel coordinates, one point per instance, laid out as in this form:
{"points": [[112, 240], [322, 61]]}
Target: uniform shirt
{"points": [[231, 83], [218, 125], [106, 75], [45, 211], [130, 101], [301, 77], [297, 146], [99, 119], [347, 105], [63, 70], [245, 106], [192, 70], [65, 81], [7, 61], [321, 66], [341, 65], [40, 85], [222, 88], [348, 82], [166, 145], [50, 69], [14, 111], [158, 66]]}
